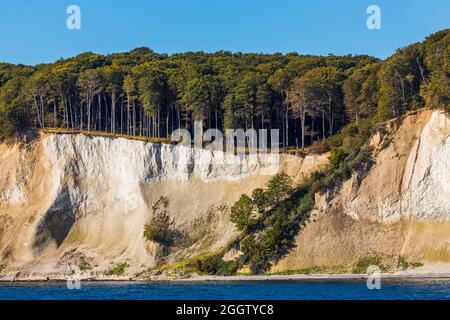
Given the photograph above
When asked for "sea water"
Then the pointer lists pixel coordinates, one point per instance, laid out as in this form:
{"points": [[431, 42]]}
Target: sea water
{"points": [[238, 290]]}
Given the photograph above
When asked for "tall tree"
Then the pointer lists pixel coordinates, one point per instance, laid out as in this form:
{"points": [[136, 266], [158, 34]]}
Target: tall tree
{"points": [[90, 84], [114, 80], [130, 88]]}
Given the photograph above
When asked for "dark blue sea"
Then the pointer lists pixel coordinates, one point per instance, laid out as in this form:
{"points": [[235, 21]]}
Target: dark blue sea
{"points": [[245, 290]]}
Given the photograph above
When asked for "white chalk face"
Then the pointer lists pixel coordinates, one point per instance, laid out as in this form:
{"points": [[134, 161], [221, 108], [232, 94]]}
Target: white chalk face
{"points": [[233, 148]]}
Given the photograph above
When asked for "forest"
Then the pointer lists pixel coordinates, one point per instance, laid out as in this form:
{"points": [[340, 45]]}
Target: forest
{"points": [[143, 93]]}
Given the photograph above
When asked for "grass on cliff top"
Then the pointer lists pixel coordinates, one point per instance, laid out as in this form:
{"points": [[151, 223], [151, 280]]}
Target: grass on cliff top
{"points": [[105, 134]]}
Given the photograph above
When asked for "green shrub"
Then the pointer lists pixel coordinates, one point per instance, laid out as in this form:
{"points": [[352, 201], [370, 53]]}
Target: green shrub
{"points": [[118, 269], [271, 218], [254, 255], [405, 264], [402, 263], [306, 203], [338, 269], [416, 264], [242, 213], [279, 188], [364, 263], [213, 264], [337, 158], [83, 264], [248, 246], [157, 229], [260, 200]]}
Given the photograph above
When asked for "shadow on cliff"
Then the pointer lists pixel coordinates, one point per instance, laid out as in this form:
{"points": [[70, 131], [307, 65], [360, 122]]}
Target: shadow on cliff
{"points": [[57, 222]]}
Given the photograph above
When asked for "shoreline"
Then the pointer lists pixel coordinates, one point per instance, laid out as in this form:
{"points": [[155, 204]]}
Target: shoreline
{"points": [[244, 278]]}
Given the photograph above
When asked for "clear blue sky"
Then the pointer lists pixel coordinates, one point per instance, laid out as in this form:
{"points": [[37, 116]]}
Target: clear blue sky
{"points": [[34, 32]]}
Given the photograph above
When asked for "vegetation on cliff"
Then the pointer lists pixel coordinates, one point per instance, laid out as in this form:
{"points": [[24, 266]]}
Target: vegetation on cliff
{"points": [[142, 93]]}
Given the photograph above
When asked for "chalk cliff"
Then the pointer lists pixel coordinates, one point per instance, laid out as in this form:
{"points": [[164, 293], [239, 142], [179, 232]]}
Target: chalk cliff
{"points": [[83, 200], [71, 198], [401, 207]]}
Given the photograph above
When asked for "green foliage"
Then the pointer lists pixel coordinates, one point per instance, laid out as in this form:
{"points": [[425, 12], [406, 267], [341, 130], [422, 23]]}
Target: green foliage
{"points": [[404, 264], [2, 267], [83, 264], [118, 269], [143, 93], [280, 210], [254, 255], [157, 229], [273, 215], [436, 92], [204, 264], [415, 264], [279, 188], [361, 92], [202, 96], [212, 264], [14, 114], [242, 213], [339, 269], [363, 263], [337, 158]]}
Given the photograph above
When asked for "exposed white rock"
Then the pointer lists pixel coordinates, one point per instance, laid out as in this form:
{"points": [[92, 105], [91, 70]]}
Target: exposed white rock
{"points": [[425, 192], [66, 196], [400, 207], [91, 196], [411, 176]]}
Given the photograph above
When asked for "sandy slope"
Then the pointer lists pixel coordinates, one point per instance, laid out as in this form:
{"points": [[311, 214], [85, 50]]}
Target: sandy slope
{"points": [[68, 198], [401, 207]]}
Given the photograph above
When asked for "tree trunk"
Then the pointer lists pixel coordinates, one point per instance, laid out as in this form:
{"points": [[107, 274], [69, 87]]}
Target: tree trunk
{"points": [[323, 123], [302, 124], [287, 127], [113, 111]]}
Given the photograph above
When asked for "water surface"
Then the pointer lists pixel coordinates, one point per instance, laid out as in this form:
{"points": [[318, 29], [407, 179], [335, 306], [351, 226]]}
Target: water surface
{"points": [[271, 290]]}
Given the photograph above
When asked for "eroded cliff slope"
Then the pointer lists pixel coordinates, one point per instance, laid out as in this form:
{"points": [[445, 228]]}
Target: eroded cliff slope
{"points": [[82, 200], [400, 208]]}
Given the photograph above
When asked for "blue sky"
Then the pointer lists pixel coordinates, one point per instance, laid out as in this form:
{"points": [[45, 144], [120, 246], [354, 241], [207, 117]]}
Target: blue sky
{"points": [[34, 32]]}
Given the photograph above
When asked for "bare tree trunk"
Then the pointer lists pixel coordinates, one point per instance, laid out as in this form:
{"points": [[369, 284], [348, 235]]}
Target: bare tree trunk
{"points": [[287, 126], [323, 123], [159, 122], [89, 113], [81, 116], [331, 116], [421, 71], [113, 111], [302, 124], [100, 110], [140, 122], [179, 118], [134, 119], [121, 117], [42, 111], [38, 113], [55, 122], [128, 118], [72, 124]]}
